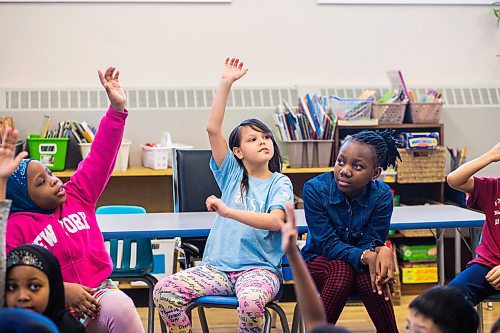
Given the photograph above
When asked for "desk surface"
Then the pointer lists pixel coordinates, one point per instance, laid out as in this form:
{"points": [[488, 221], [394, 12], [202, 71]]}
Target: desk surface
{"points": [[168, 225]]}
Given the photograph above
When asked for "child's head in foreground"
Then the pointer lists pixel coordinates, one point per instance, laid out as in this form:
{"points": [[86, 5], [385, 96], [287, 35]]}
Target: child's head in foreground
{"points": [[441, 310]]}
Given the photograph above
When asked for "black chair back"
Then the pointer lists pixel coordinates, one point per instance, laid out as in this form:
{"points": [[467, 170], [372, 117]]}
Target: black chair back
{"points": [[193, 180]]}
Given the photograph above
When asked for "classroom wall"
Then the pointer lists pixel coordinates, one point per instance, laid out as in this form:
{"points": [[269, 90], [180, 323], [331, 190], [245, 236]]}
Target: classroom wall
{"points": [[284, 43]]}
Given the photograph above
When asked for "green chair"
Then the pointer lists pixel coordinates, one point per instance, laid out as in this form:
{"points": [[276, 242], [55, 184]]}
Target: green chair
{"points": [[125, 268]]}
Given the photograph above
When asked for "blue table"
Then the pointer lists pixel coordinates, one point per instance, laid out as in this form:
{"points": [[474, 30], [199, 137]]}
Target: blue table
{"points": [[169, 225]]}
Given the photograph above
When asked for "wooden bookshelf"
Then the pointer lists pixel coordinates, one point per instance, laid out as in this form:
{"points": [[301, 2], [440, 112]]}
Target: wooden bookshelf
{"points": [[130, 172], [306, 170]]}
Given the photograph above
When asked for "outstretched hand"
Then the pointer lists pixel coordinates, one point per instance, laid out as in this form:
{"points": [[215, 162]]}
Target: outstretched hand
{"points": [[116, 94], [289, 231], [233, 70], [9, 162]]}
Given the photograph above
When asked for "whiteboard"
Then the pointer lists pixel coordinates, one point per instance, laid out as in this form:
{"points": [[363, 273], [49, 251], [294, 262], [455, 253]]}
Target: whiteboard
{"points": [[408, 2]]}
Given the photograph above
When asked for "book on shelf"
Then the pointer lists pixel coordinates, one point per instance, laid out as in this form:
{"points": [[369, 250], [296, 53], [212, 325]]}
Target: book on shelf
{"points": [[45, 126], [304, 109]]}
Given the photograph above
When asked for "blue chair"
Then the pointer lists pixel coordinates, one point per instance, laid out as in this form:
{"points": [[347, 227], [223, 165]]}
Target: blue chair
{"points": [[15, 320], [123, 270], [231, 302], [493, 298]]}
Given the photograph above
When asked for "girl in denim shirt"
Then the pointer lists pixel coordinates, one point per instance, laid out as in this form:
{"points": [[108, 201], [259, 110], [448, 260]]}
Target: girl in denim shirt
{"points": [[348, 212]]}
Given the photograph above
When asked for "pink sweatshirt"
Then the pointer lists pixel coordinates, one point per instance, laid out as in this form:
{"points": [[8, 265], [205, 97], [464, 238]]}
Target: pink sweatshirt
{"points": [[71, 232]]}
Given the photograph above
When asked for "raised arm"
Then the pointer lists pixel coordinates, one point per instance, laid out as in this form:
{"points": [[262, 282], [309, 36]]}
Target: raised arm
{"points": [[461, 179], [233, 70], [8, 163], [94, 171], [308, 300]]}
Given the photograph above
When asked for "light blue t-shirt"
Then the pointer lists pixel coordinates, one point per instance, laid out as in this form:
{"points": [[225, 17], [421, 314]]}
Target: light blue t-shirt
{"points": [[234, 246]]}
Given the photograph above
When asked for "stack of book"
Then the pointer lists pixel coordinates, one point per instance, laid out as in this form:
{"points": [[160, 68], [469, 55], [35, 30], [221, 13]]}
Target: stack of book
{"points": [[81, 131], [311, 119]]}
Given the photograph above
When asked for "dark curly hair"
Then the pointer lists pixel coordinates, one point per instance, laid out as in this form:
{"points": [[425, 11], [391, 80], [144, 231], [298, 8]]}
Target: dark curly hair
{"points": [[383, 144]]}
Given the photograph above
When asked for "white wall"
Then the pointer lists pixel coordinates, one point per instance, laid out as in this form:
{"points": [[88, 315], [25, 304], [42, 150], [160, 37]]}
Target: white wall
{"points": [[284, 42]]}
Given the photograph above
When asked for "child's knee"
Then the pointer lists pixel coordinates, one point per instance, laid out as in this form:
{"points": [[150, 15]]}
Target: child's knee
{"points": [[167, 294], [251, 304], [117, 303]]}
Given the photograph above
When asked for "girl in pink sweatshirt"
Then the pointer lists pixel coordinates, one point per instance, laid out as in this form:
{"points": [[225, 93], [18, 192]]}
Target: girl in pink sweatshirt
{"points": [[61, 217]]}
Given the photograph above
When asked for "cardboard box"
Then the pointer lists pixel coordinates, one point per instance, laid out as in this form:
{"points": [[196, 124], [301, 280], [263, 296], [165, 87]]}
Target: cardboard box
{"points": [[418, 253], [420, 273]]}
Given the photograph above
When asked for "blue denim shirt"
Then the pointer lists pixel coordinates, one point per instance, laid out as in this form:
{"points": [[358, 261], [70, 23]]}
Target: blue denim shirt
{"points": [[343, 229]]}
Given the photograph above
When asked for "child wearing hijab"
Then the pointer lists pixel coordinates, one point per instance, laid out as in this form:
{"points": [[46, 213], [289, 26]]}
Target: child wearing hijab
{"points": [[61, 217], [34, 281]]}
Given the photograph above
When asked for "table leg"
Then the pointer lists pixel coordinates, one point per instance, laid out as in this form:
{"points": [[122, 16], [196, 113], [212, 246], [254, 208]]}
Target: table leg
{"points": [[458, 252], [440, 251], [475, 237]]}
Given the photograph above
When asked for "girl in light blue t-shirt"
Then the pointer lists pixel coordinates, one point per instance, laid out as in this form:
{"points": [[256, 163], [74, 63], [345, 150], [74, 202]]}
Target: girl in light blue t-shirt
{"points": [[243, 255]]}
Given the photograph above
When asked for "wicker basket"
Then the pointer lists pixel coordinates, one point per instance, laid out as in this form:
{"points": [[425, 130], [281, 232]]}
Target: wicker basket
{"points": [[389, 113], [425, 113], [421, 166]]}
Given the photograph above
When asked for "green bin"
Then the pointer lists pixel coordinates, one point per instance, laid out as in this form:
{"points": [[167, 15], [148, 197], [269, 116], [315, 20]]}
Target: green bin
{"points": [[51, 151]]}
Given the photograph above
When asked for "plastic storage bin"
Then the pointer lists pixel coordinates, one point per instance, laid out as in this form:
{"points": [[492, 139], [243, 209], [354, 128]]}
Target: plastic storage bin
{"points": [[172, 148], [308, 153], [155, 157], [51, 152], [122, 158], [425, 113], [351, 108]]}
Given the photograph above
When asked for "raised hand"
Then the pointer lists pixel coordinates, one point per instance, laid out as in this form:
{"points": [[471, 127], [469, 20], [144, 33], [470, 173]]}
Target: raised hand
{"points": [[215, 204], [494, 153], [116, 94], [289, 231], [9, 163], [233, 70]]}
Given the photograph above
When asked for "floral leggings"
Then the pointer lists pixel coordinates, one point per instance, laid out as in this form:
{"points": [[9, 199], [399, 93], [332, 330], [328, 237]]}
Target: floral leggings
{"points": [[254, 289]]}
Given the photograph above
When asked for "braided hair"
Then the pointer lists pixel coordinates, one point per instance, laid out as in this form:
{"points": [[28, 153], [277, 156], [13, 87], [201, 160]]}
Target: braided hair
{"points": [[383, 144], [235, 141]]}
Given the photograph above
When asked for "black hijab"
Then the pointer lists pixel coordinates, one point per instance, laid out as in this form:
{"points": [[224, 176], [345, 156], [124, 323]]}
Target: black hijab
{"points": [[44, 260]]}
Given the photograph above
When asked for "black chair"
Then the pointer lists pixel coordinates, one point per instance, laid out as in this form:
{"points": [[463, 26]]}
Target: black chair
{"points": [[193, 182]]}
